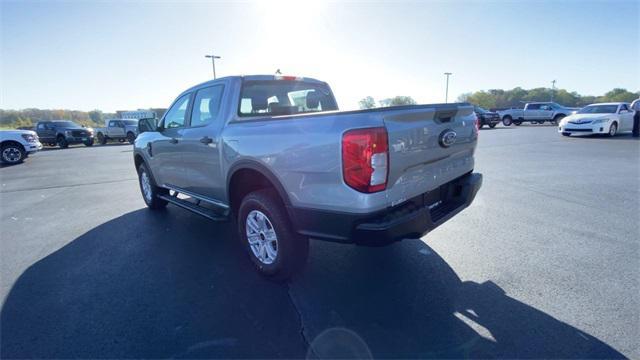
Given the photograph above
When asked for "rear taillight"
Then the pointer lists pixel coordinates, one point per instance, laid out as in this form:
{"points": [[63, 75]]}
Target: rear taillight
{"points": [[365, 159]]}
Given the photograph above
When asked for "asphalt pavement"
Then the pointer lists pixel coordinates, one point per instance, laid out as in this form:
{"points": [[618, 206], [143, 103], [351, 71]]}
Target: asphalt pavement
{"points": [[544, 264]]}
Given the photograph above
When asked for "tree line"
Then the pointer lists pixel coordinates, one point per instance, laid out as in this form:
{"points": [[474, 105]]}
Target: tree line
{"points": [[515, 98], [28, 117]]}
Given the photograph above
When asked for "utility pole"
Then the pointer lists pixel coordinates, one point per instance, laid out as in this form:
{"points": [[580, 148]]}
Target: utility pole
{"points": [[553, 89], [213, 63], [446, 94]]}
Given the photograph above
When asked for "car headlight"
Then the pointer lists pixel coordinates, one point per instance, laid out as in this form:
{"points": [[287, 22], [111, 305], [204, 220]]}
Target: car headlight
{"points": [[29, 138], [600, 121]]}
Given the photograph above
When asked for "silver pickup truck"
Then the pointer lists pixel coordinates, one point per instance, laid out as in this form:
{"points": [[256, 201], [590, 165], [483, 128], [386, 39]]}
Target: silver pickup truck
{"points": [[117, 129], [536, 112], [275, 156]]}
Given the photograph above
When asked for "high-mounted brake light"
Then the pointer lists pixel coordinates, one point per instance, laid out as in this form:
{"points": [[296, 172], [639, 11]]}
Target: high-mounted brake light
{"points": [[288, 77], [365, 159]]}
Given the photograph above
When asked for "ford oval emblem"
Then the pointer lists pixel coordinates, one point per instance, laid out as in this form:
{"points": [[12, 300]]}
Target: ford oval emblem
{"points": [[447, 138]]}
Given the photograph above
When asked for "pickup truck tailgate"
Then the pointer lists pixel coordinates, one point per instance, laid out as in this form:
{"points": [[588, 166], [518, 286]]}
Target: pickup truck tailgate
{"points": [[428, 147]]}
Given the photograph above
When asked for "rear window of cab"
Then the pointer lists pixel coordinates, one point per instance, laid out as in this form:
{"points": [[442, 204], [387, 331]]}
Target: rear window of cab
{"points": [[283, 97]]}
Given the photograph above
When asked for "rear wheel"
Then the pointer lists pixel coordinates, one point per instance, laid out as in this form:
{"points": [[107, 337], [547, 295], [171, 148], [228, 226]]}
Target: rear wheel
{"points": [[507, 121], [150, 191], [62, 142], [613, 129], [557, 119], [12, 154], [275, 249], [131, 137]]}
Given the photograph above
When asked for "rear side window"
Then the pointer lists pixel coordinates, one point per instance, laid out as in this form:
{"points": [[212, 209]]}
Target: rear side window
{"points": [[206, 106], [533, 107], [284, 97]]}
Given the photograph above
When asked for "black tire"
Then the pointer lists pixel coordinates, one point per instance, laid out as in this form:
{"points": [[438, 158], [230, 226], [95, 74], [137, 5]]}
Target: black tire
{"points": [[291, 249], [507, 120], [89, 142], [52, 144], [566, 134], [131, 137], [102, 139], [613, 130], [153, 201], [517, 122], [492, 125], [557, 119], [62, 142], [12, 153]]}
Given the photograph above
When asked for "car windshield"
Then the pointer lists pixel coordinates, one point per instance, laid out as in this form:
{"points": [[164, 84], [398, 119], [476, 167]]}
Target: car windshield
{"points": [[599, 109], [283, 97], [68, 124], [130, 122]]}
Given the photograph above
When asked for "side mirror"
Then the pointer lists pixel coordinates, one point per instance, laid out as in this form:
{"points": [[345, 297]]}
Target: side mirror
{"points": [[146, 125]]}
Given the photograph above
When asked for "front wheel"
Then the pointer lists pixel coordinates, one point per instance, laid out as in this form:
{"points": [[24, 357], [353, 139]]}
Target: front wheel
{"points": [[492, 125], [102, 139], [62, 142], [88, 143], [557, 119], [613, 129], [131, 138], [13, 154], [507, 121], [275, 249], [150, 191]]}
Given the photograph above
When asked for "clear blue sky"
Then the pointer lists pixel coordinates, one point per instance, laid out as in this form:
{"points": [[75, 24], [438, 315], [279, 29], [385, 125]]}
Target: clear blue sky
{"points": [[128, 55]]}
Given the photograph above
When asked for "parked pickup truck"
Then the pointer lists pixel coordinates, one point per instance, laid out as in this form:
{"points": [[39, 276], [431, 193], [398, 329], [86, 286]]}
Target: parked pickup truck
{"points": [[535, 112], [63, 133], [274, 155], [17, 145], [118, 129]]}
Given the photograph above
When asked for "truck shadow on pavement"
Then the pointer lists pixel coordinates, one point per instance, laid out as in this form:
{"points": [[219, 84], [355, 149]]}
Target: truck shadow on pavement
{"points": [[171, 284]]}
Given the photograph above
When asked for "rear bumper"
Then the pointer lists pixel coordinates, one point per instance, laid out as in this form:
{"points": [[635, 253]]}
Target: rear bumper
{"points": [[411, 219]]}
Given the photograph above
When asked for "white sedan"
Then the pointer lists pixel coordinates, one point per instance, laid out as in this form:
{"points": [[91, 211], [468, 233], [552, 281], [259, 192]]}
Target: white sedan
{"points": [[605, 118]]}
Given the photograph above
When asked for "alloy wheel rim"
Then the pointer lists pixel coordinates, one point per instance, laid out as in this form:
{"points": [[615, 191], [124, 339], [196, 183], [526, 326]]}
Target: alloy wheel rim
{"points": [[11, 154], [146, 185], [262, 237], [613, 129]]}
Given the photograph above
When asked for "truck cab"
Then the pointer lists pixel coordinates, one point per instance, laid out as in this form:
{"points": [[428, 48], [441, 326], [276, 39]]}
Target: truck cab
{"points": [[118, 129]]}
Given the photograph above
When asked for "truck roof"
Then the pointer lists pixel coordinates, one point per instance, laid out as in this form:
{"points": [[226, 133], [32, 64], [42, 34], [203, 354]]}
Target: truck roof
{"points": [[253, 78]]}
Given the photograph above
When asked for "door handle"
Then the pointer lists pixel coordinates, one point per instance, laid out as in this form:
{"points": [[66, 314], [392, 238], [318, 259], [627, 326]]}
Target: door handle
{"points": [[173, 141], [206, 140]]}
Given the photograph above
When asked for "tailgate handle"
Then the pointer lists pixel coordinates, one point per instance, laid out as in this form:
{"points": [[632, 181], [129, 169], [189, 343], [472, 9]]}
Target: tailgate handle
{"points": [[444, 116]]}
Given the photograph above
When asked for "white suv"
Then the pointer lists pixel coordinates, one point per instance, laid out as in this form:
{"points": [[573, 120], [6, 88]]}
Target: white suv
{"points": [[16, 145]]}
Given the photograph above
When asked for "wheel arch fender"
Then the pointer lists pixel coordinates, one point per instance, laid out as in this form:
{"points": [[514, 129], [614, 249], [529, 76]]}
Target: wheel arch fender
{"points": [[12, 142], [264, 171]]}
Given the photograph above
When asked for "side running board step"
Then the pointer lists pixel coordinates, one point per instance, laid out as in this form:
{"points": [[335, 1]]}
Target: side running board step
{"points": [[185, 204]]}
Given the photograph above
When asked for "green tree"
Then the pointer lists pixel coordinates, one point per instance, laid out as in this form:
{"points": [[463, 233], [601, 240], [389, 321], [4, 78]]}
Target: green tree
{"points": [[96, 116], [367, 103], [397, 101]]}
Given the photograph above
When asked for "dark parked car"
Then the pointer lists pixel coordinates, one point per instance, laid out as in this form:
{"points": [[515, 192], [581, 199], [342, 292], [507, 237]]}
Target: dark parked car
{"points": [[486, 117], [63, 133]]}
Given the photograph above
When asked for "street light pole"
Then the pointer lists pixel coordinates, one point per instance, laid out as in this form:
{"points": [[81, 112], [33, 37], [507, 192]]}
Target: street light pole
{"points": [[553, 89], [213, 63], [446, 94]]}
